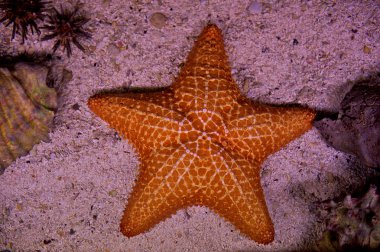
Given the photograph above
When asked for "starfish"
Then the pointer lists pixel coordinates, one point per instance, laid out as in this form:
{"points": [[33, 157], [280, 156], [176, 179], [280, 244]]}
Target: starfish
{"points": [[200, 142]]}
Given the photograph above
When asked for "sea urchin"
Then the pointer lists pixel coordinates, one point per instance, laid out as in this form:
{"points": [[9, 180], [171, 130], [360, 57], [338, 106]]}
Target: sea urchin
{"points": [[23, 13], [67, 26]]}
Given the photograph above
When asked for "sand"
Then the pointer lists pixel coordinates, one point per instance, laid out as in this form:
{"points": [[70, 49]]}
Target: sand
{"points": [[69, 194]]}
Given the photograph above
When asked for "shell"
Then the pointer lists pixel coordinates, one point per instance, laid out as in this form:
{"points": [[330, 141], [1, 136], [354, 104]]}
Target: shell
{"points": [[27, 108]]}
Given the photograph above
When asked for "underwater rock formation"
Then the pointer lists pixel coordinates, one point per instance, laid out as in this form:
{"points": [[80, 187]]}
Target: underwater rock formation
{"points": [[357, 128], [27, 108]]}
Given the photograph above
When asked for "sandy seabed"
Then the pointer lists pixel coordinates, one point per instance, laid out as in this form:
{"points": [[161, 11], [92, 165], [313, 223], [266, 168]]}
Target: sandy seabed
{"points": [[69, 194]]}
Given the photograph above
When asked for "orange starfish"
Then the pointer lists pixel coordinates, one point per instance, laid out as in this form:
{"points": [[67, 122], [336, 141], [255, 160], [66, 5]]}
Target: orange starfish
{"points": [[201, 143]]}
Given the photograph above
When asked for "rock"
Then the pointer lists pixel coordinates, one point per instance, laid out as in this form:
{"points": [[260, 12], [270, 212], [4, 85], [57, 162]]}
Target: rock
{"points": [[357, 128]]}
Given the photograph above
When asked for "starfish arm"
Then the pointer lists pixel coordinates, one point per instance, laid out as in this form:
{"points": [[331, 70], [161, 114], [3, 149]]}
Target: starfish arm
{"points": [[136, 116], [257, 130], [161, 190], [205, 81], [235, 194]]}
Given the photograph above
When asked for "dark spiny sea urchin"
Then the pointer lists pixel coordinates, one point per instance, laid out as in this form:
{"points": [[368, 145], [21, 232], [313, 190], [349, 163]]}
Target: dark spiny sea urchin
{"points": [[67, 26], [23, 14]]}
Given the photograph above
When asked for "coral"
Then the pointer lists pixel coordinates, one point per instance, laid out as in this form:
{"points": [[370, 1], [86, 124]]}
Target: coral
{"points": [[67, 26], [27, 108], [352, 224], [23, 14]]}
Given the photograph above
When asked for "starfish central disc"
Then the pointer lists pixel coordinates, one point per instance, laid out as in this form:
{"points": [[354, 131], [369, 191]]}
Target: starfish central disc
{"points": [[201, 143]]}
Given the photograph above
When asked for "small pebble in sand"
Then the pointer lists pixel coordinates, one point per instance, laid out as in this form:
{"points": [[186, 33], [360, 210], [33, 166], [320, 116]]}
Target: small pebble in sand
{"points": [[158, 20], [367, 49], [255, 7], [112, 193]]}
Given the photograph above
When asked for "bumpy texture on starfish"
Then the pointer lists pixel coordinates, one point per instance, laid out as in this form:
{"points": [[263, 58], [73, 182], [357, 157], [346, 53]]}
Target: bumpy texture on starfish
{"points": [[201, 143]]}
